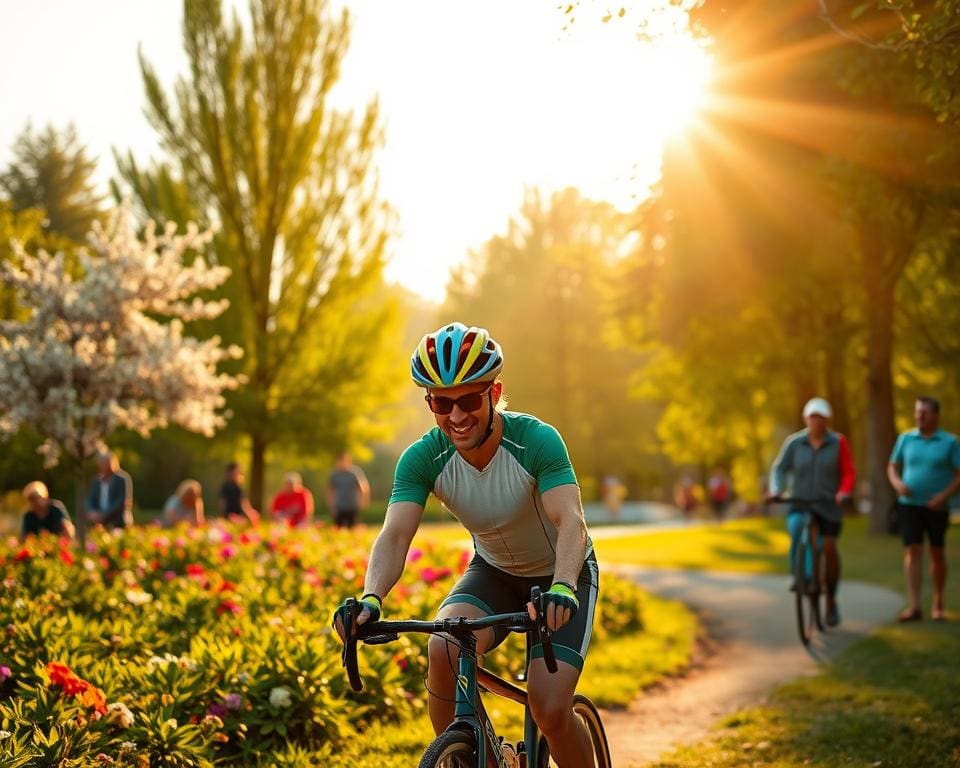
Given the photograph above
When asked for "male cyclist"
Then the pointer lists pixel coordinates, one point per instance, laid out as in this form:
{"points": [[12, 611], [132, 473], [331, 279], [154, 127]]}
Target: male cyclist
{"points": [[819, 467], [507, 478]]}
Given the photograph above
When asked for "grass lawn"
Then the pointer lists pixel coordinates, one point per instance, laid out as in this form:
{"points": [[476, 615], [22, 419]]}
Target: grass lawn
{"points": [[891, 700]]}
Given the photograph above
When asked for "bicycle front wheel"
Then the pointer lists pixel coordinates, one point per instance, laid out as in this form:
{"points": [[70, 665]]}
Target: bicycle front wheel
{"points": [[586, 712], [451, 749], [805, 597]]}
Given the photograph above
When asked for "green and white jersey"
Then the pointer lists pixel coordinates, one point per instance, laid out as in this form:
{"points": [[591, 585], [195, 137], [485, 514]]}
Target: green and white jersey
{"points": [[501, 504]]}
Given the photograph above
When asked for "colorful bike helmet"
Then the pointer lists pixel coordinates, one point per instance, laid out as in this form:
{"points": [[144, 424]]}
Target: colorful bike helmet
{"points": [[454, 355]]}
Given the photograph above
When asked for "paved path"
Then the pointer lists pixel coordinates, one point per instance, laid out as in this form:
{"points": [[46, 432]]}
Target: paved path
{"points": [[754, 646]]}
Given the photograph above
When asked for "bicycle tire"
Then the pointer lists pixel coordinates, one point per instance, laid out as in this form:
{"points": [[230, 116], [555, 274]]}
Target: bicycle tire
{"points": [[451, 749], [805, 603], [584, 709], [817, 598]]}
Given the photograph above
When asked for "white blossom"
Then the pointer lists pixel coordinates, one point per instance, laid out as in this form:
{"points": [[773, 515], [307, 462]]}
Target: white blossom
{"points": [[280, 697], [107, 350]]}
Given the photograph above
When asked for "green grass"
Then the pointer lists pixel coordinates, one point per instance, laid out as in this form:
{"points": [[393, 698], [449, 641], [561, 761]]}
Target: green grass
{"points": [[891, 700], [760, 545]]}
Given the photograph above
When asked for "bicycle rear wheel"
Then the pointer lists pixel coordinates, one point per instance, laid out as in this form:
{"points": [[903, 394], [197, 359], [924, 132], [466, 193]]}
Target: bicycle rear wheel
{"points": [[805, 602], [587, 713], [451, 749]]}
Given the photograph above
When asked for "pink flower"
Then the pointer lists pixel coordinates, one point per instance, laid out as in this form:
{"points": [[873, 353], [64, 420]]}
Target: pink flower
{"points": [[233, 701], [227, 552], [414, 555], [4, 672], [169, 575]]}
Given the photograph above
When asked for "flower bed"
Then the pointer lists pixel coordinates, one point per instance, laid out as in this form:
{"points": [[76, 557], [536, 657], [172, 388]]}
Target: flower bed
{"points": [[191, 646]]}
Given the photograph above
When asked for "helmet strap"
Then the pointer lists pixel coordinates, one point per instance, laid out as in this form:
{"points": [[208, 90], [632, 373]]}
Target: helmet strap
{"points": [[489, 430]]}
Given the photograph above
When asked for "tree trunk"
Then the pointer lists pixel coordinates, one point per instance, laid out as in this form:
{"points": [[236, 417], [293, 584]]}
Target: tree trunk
{"points": [[880, 425], [258, 452]]}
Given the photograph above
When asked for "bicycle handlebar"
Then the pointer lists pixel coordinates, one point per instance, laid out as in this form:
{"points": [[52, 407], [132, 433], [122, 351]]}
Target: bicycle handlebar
{"points": [[380, 632]]}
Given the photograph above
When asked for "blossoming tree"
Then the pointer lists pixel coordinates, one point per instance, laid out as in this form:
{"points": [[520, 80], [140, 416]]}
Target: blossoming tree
{"points": [[107, 350]]}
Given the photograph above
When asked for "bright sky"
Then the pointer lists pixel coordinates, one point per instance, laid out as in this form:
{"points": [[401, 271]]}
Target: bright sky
{"points": [[481, 100]]}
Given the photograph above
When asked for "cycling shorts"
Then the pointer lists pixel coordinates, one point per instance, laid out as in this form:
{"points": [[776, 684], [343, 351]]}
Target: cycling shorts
{"points": [[914, 520], [494, 591], [824, 527]]}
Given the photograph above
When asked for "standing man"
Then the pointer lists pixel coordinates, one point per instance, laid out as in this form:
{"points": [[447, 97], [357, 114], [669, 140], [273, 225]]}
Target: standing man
{"points": [[110, 501], [924, 470], [347, 492], [816, 464], [508, 480]]}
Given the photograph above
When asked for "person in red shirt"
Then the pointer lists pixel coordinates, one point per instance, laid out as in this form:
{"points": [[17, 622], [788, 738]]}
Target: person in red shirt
{"points": [[293, 504]]}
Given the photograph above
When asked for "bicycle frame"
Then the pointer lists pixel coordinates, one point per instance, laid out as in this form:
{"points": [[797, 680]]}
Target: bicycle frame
{"points": [[469, 712]]}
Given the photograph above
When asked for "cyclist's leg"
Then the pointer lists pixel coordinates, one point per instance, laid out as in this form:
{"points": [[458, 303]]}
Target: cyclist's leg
{"points": [[551, 704], [442, 659], [795, 522], [551, 695], [481, 591]]}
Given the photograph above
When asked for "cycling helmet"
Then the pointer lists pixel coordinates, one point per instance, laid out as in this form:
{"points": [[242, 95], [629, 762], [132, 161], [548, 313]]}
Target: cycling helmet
{"points": [[454, 355], [817, 406]]}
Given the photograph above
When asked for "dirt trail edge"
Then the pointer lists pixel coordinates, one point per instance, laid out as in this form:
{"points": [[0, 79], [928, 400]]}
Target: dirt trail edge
{"points": [[753, 638]]}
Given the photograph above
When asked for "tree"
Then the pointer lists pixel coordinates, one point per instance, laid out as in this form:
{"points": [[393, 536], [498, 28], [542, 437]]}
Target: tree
{"points": [[544, 291], [257, 150], [93, 357], [51, 172]]}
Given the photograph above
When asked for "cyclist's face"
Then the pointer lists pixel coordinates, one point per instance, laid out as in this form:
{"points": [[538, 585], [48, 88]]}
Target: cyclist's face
{"points": [[817, 424], [463, 427]]}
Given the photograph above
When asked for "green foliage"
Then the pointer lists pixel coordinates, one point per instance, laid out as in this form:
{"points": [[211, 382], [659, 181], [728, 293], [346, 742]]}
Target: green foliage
{"points": [[214, 645], [545, 291], [254, 146], [51, 172]]}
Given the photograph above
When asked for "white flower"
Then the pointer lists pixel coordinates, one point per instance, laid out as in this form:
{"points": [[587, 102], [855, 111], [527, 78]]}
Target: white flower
{"points": [[119, 714], [5, 734], [138, 597], [280, 697]]}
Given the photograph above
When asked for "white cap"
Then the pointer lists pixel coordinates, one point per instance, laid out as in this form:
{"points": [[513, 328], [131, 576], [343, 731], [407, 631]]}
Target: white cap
{"points": [[817, 406]]}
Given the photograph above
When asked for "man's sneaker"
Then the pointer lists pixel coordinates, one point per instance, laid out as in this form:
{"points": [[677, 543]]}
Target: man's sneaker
{"points": [[833, 615]]}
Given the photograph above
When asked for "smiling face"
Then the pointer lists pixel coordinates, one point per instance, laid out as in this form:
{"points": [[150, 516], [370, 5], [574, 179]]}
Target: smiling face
{"points": [[463, 426]]}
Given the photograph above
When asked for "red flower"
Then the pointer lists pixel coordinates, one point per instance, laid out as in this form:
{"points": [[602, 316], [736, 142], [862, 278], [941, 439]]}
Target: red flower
{"points": [[194, 569], [228, 606], [66, 556], [22, 554]]}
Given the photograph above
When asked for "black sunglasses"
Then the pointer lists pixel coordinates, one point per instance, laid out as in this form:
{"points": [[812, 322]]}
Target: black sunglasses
{"points": [[466, 403]]}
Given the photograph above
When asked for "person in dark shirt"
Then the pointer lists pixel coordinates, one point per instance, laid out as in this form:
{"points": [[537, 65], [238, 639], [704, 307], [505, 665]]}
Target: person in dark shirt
{"points": [[234, 504], [44, 513]]}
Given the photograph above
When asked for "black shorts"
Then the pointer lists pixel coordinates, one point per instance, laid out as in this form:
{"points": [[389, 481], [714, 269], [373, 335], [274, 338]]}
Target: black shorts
{"points": [[345, 518], [914, 520], [824, 527], [495, 591]]}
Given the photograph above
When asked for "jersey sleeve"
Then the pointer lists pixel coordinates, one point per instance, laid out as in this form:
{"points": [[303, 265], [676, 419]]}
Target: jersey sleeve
{"points": [[415, 475], [848, 474], [782, 465], [551, 464]]}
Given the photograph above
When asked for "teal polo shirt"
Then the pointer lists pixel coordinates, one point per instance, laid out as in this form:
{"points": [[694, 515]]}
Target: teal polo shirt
{"points": [[927, 464]]}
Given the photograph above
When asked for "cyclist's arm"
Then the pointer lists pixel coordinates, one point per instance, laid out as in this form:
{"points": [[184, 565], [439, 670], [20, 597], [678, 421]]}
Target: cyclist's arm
{"points": [[389, 553], [563, 508], [848, 473], [781, 466]]}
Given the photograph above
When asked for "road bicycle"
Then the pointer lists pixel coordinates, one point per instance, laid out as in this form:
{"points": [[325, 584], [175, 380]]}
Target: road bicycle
{"points": [[471, 740], [809, 570]]}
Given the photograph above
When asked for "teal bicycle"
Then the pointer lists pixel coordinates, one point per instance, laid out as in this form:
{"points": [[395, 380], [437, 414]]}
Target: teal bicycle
{"points": [[471, 740]]}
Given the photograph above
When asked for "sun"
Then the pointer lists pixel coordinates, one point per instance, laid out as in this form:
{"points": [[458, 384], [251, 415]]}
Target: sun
{"points": [[633, 97]]}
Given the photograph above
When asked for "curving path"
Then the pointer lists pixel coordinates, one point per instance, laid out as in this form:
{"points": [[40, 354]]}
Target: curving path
{"points": [[753, 646]]}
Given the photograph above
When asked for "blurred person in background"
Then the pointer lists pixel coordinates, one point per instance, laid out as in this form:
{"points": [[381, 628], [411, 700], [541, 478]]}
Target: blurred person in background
{"points": [[185, 506], [110, 500], [293, 503], [44, 513], [234, 504], [924, 470], [347, 492]]}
